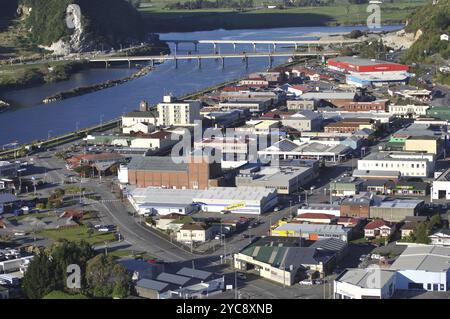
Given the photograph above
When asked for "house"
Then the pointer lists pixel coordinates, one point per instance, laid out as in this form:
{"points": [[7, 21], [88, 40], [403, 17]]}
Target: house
{"points": [[140, 269], [164, 221], [346, 186], [425, 267], [72, 214], [315, 218], [410, 225], [444, 37], [377, 228], [369, 283], [194, 232], [441, 237]]}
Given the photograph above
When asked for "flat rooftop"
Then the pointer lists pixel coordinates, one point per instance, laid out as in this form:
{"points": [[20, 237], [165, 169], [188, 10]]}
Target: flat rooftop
{"points": [[242, 193], [400, 203], [312, 228], [427, 258], [395, 156], [164, 196], [360, 61], [364, 277]]}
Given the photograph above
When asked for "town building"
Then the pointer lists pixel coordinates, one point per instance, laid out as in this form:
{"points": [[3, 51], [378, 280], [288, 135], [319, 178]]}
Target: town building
{"points": [[311, 231], [285, 179], [253, 105], [286, 149], [350, 125], [316, 218], [440, 112], [410, 224], [396, 210], [370, 283], [440, 188], [172, 112], [374, 175], [361, 65], [239, 200], [368, 79], [328, 209], [424, 267], [168, 172], [301, 105], [284, 260], [305, 120], [159, 201], [362, 106], [407, 163], [409, 110], [8, 169], [345, 186]]}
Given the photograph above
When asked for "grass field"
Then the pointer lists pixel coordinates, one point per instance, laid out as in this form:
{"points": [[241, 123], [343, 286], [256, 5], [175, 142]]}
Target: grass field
{"points": [[160, 20], [62, 295], [78, 234]]}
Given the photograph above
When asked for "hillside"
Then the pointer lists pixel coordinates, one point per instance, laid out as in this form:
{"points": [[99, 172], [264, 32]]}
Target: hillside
{"points": [[428, 23], [57, 26]]}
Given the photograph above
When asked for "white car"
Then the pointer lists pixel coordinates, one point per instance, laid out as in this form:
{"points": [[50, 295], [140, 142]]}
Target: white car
{"points": [[306, 282], [103, 229]]}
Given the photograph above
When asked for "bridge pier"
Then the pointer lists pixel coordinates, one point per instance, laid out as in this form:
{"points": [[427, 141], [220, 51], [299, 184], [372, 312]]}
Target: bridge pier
{"points": [[195, 46], [176, 63], [199, 63], [129, 64], [274, 47], [106, 64], [176, 47], [246, 62], [254, 47], [223, 62], [214, 47], [296, 47], [152, 63], [234, 47], [270, 61]]}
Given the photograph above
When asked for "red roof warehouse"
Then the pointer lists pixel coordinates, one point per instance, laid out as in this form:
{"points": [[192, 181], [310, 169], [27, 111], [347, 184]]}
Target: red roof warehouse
{"points": [[353, 64]]}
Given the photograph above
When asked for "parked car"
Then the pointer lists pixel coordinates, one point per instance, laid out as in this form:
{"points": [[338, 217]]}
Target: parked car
{"points": [[103, 229], [276, 209], [19, 233], [362, 258], [319, 281], [225, 212], [306, 282]]}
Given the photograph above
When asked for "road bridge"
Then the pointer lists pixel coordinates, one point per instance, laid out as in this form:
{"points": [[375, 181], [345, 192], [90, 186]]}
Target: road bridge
{"points": [[199, 57]]}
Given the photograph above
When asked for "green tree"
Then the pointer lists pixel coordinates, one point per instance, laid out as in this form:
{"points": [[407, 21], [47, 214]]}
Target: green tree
{"points": [[435, 221], [105, 278], [420, 234], [39, 279]]}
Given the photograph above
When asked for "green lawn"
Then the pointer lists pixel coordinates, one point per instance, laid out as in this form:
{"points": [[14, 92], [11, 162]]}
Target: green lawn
{"points": [[63, 295], [36, 215], [78, 234]]}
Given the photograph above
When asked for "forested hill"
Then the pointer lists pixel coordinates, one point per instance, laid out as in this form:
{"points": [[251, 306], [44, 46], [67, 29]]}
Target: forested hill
{"points": [[114, 21], [430, 21]]}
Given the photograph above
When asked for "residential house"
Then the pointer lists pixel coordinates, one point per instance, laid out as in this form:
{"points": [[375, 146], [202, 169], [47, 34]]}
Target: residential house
{"points": [[378, 228], [441, 237], [410, 224], [194, 233]]}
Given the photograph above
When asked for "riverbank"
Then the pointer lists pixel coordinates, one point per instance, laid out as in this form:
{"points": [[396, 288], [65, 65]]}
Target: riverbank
{"points": [[160, 20], [97, 87], [3, 106], [21, 76]]}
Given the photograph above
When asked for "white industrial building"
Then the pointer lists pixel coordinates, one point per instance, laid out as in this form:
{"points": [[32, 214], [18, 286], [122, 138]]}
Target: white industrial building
{"points": [[369, 283], [329, 209], [240, 200], [407, 163], [174, 112], [157, 201], [424, 267], [440, 188]]}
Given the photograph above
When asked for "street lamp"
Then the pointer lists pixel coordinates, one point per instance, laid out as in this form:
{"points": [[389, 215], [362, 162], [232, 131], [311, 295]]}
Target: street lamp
{"points": [[101, 119], [48, 134]]}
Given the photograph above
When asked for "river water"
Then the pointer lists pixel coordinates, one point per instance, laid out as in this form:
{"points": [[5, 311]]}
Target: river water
{"points": [[29, 119]]}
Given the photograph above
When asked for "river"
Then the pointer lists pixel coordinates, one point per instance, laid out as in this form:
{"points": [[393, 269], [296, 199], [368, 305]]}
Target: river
{"points": [[28, 119]]}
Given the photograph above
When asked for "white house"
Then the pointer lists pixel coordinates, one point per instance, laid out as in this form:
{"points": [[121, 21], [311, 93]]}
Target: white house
{"points": [[370, 283], [441, 237], [194, 232], [444, 37], [424, 267], [440, 188]]}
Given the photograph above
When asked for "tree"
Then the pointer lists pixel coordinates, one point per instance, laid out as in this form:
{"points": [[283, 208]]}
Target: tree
{"points": [[435, 221], [39, 280], [420, 234], [105, 278], [65, 253]]}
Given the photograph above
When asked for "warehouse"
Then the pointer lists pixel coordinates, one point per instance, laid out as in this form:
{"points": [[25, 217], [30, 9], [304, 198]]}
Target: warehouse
{"points": [[377, 78], [239, 200], [370, 283], [423, 268], [396, 210], [156, 201], [356, 64]]}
